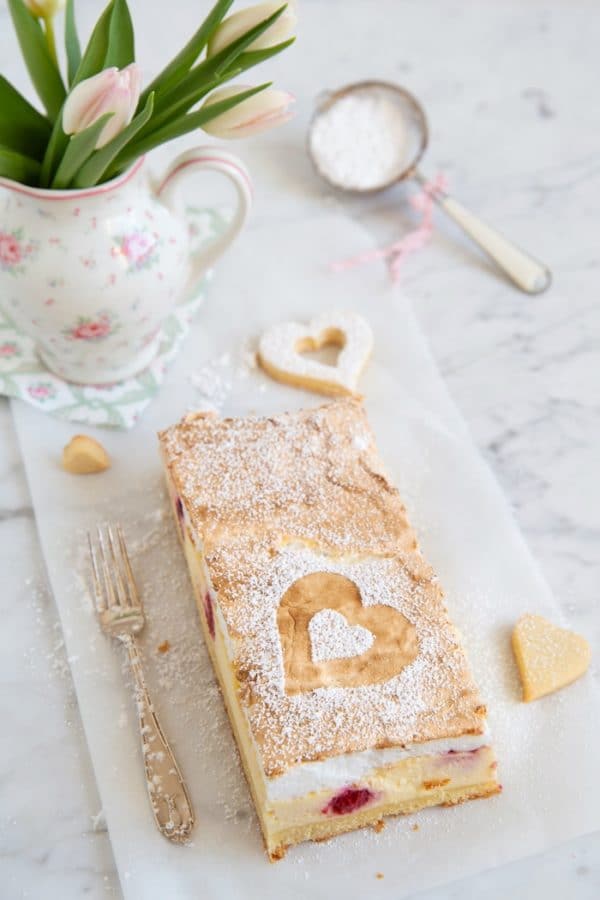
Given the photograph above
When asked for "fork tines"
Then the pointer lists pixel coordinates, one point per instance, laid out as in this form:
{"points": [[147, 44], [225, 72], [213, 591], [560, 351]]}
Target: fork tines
{"points": [[114, 584]]}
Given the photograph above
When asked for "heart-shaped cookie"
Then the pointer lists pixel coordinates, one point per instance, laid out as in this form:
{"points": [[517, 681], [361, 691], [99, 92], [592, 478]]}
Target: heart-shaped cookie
{"points": [[281, 349], [548, 657], [333, 637], [394, 646]]}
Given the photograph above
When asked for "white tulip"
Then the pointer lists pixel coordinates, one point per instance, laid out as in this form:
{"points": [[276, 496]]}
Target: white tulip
{"points": [[233, 27], [110, 91], [253, 115]]}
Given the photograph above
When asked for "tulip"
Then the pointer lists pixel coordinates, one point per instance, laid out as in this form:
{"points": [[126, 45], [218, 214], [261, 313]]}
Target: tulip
{"points": [[44, 9], [258, 113], [233, 27], [110, 91]]}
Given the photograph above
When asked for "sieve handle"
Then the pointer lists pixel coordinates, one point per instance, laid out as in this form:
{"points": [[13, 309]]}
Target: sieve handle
{"points": [[523, 270]]}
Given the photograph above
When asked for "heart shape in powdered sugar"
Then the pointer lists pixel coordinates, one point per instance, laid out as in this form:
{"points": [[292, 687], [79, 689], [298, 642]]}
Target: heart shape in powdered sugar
{"points": [[281, 352], [393, 642], [333, 637]]}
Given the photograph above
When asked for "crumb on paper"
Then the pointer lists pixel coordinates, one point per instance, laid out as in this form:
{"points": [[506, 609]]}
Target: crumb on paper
{"points": [[379, 875], [379, 826], [414, 827], [164, 647]]}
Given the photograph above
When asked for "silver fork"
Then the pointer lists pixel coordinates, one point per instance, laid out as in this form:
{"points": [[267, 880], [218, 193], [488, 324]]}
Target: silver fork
{"points": [[121, 615]]}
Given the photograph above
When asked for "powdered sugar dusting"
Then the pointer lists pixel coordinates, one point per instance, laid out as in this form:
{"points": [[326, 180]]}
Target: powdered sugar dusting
{"points": [[213, 387], [214, 381], [433, 697], [332, 636], [273, 500], [299, 474]]}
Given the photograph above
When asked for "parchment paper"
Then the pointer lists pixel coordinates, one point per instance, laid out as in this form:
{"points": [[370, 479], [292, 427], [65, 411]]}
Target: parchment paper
{"points": [[546, 750]]}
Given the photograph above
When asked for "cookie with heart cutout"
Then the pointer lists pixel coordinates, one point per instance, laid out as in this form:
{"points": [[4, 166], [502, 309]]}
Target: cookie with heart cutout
{"points": [[283, 350]]}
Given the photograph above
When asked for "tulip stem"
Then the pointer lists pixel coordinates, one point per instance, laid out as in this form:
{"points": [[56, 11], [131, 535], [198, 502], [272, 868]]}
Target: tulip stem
{"points": [[50, 39]]}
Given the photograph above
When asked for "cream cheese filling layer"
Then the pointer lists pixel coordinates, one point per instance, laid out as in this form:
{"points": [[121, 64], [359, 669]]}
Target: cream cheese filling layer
{"points": [[309, 777], [350, 768]]}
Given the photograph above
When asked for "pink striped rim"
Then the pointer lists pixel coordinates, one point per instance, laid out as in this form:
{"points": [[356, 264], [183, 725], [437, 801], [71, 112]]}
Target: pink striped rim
{"points": [[209, 159], [49, 194]]}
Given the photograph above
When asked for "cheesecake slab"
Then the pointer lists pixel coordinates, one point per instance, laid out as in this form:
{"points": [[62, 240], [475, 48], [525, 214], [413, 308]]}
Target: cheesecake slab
{"points": [[348, 690]]}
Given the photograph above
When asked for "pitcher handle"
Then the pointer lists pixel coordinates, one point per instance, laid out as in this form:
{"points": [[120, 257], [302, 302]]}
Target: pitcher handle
{"points": [[217, 160]]}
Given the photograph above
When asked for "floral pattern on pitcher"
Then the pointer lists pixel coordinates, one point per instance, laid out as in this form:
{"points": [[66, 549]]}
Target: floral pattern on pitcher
{"points": [[92, 276], [23, 375], [15, 251], [139, 248], [97, 328]]}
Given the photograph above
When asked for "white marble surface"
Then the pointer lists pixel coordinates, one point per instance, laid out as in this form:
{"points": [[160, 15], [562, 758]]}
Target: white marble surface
{"points": [[510, 89]]}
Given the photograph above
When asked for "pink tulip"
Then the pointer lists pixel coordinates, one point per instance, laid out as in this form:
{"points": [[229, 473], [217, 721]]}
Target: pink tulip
{"points": [[233, 27], [110, 91], [258, 113]]}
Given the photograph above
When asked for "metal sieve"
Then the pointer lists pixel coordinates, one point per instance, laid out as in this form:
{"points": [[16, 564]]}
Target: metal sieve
{"points": [[522, 269]]}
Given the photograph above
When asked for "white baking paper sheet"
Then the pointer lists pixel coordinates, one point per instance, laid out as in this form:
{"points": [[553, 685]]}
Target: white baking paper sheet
{"points": [[547, 750]]}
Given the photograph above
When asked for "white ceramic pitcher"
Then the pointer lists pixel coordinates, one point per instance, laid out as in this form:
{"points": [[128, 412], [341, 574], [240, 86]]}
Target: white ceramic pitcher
{"points": [[90, 275]]}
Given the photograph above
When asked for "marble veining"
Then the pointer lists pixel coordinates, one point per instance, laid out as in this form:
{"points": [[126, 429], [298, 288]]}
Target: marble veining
{"points": [[511, 93]]}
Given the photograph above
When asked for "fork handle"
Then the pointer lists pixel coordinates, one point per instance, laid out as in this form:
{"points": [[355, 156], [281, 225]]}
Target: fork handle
{"points": [[169, 798]]}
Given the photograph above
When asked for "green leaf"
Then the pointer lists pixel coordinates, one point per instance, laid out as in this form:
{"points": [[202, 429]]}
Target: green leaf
{"points": [[253, 57], [121, 46], [22, 127], [195, 81], [177, 107], [79, 149], [185, 59], [54, 152], [181, 126], [42, 69], [18, 166], [93, 170], [92, 60], [72, 47]]}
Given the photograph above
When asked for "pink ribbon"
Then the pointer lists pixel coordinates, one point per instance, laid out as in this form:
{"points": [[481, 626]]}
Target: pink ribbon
{"points": [[396, 253]]}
